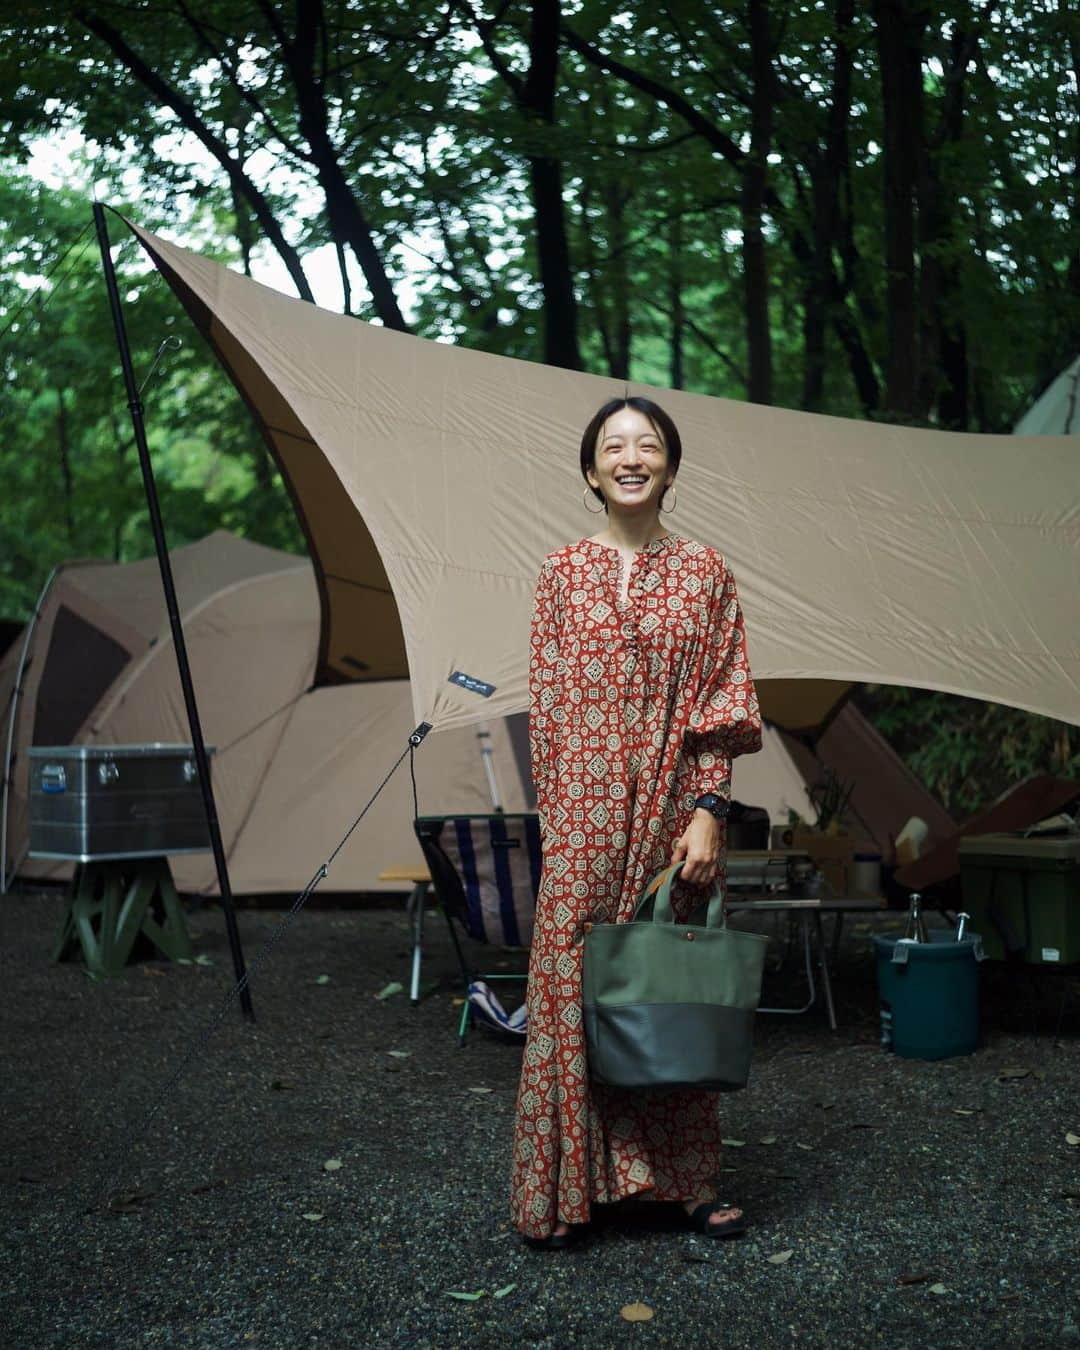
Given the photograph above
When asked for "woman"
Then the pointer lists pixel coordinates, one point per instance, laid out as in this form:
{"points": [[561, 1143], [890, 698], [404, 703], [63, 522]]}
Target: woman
{"points": [[640, 694]]}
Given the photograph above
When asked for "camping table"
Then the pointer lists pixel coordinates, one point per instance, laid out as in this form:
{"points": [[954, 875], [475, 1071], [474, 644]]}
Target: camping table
{"points": [[420, 878]]}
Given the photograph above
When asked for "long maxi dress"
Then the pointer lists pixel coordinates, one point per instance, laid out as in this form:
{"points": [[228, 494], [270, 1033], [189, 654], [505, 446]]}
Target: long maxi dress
{"points": [[636, 709]]}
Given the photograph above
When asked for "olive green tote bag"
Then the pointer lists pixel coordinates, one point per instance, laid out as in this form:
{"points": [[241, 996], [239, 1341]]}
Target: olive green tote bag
{"points": [[671, 1005]]}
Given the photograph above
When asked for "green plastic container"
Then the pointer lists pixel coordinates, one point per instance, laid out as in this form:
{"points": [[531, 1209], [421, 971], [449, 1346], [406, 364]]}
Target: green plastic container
{"points": [[929, 999], [1023, 896]]}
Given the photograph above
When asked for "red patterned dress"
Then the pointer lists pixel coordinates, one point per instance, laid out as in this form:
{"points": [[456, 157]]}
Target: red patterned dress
{"points": [[636, 709]]}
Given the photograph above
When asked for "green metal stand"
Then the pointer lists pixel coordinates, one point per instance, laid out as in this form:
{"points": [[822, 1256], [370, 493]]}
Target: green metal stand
{"points": [[112, 905]]}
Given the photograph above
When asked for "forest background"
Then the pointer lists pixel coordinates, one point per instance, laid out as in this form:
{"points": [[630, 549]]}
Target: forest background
{"points": [[864, 209]]}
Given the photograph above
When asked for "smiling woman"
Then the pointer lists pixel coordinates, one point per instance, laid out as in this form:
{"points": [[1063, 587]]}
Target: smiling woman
{"points": [[640, 694]]}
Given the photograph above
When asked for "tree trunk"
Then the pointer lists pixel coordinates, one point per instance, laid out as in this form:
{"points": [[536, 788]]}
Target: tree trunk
{"points": [[63, 444], [899, 29], [827, 170], [677, 376], [751, 205], [536, 101]]}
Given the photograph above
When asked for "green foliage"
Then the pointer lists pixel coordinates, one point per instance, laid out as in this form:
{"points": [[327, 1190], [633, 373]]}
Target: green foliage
{"points": [[405, 139], [965, 751]]}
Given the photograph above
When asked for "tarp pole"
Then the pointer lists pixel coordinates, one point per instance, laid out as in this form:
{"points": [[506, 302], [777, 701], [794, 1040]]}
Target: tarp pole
{"points": [[202, 763]]}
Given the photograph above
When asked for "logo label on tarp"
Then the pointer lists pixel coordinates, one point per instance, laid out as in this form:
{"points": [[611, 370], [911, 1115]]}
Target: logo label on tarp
{"points": [[471, 683]]}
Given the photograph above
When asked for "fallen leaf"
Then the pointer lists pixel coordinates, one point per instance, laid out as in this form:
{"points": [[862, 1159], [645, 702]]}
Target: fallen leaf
{"points": [[769, 1139], [323, 979], [636, 1312], [1013, 1073], [779, 1258], [1072, 1139], [733, 1143], [937, 1289], [149, 970], [962, 1111], [389, 990], [312, 1217], [184, 961], [465, 1297], [918, 1277], [698, 1257], [481, 1091], [729, 1169], [457, 1002], [808, 1148], [332, 1165], [280, 1085], [203, 960], [506, 1289], [400, 1054]]}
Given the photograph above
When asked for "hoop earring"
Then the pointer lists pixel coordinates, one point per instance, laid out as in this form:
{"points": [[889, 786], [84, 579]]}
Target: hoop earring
{"points": [[599, 510], [675, 499]]}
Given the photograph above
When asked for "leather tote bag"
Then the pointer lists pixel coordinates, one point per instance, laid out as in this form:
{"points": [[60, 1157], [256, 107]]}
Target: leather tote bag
{"points": [[669, 1005]]}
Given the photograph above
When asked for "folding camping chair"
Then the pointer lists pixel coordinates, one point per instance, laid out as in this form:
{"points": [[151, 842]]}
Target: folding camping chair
{"points": [[485, 872]]}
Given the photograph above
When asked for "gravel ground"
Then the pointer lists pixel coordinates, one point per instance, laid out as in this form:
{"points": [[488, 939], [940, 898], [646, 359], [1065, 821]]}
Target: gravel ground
{"points": [[922, 1204]]}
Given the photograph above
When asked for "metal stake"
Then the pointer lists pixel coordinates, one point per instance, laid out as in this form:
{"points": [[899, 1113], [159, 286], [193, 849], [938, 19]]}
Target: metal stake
{"points": [[136, 408]]}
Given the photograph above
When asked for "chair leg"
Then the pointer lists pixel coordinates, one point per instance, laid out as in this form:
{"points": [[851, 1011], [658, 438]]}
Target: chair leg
{"points": [[463, 1025], [416, 909]]}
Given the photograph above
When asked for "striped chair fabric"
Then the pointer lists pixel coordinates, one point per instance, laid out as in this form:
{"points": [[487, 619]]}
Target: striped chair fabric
{"points": [[497, 859]]}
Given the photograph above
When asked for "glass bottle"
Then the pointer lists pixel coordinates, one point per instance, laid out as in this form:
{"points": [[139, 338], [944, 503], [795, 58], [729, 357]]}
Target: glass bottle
{"points": [[915, 931]]}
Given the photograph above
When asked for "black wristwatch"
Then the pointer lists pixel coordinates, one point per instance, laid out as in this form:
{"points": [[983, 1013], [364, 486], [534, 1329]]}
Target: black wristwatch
{"points": [[717, 807]]}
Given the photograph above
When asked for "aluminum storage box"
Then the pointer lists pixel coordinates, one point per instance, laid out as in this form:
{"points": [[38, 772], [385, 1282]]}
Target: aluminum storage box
{"points": [[1023, 895], [99, 802]]}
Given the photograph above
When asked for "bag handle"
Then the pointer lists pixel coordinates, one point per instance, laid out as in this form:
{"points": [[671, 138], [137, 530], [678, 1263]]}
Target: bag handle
{"points": [[660, 888]]}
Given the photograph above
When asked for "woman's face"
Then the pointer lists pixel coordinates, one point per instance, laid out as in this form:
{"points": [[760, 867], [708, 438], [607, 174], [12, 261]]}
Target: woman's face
{"points": [[631, 465]]}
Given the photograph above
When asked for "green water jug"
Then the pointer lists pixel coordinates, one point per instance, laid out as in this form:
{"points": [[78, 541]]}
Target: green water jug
{"points": [[929, 995]]}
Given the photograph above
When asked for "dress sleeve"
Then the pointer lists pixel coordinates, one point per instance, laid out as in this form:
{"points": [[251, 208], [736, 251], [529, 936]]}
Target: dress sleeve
{"points": [[545, 664], [725, 720]]}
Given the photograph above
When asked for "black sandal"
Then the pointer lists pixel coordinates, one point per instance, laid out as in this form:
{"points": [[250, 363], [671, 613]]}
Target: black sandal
{"points": [[699, 1220], [559, 1242]]}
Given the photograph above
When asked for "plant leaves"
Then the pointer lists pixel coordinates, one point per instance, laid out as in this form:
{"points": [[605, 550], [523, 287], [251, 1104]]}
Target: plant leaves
{"points": [[389, 990], [462, 1296], [779, 1258], [332, 1165], [506, 1289], [636, 1312]]}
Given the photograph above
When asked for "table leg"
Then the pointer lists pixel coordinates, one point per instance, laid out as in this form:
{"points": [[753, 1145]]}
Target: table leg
{"points": [[826, 981], [804, 933]]}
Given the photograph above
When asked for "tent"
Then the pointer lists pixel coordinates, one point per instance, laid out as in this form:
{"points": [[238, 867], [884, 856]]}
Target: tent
{"points": [[431, 480], [1056, 412], [293, 765]]}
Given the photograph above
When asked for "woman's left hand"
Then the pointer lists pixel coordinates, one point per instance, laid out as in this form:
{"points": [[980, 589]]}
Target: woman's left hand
{"points": [[698, 849]]}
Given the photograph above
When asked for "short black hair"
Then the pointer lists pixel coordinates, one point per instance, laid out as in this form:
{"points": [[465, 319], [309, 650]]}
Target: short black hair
{"points": [[661, 422]]}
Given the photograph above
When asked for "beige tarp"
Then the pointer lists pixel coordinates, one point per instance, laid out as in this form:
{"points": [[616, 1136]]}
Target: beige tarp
{"points": [[432, 480], [294, 765]]}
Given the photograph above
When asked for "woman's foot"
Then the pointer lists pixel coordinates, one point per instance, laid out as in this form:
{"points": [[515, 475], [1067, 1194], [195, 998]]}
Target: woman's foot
{"points": [[715, 1218]]}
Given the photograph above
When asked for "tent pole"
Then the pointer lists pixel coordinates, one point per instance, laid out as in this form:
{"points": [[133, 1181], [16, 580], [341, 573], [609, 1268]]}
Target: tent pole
{"points": [[203, 764]]}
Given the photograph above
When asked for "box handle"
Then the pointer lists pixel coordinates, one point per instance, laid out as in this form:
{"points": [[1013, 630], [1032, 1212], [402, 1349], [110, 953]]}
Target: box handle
{"points": [[53, 778], [107, 772]]}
